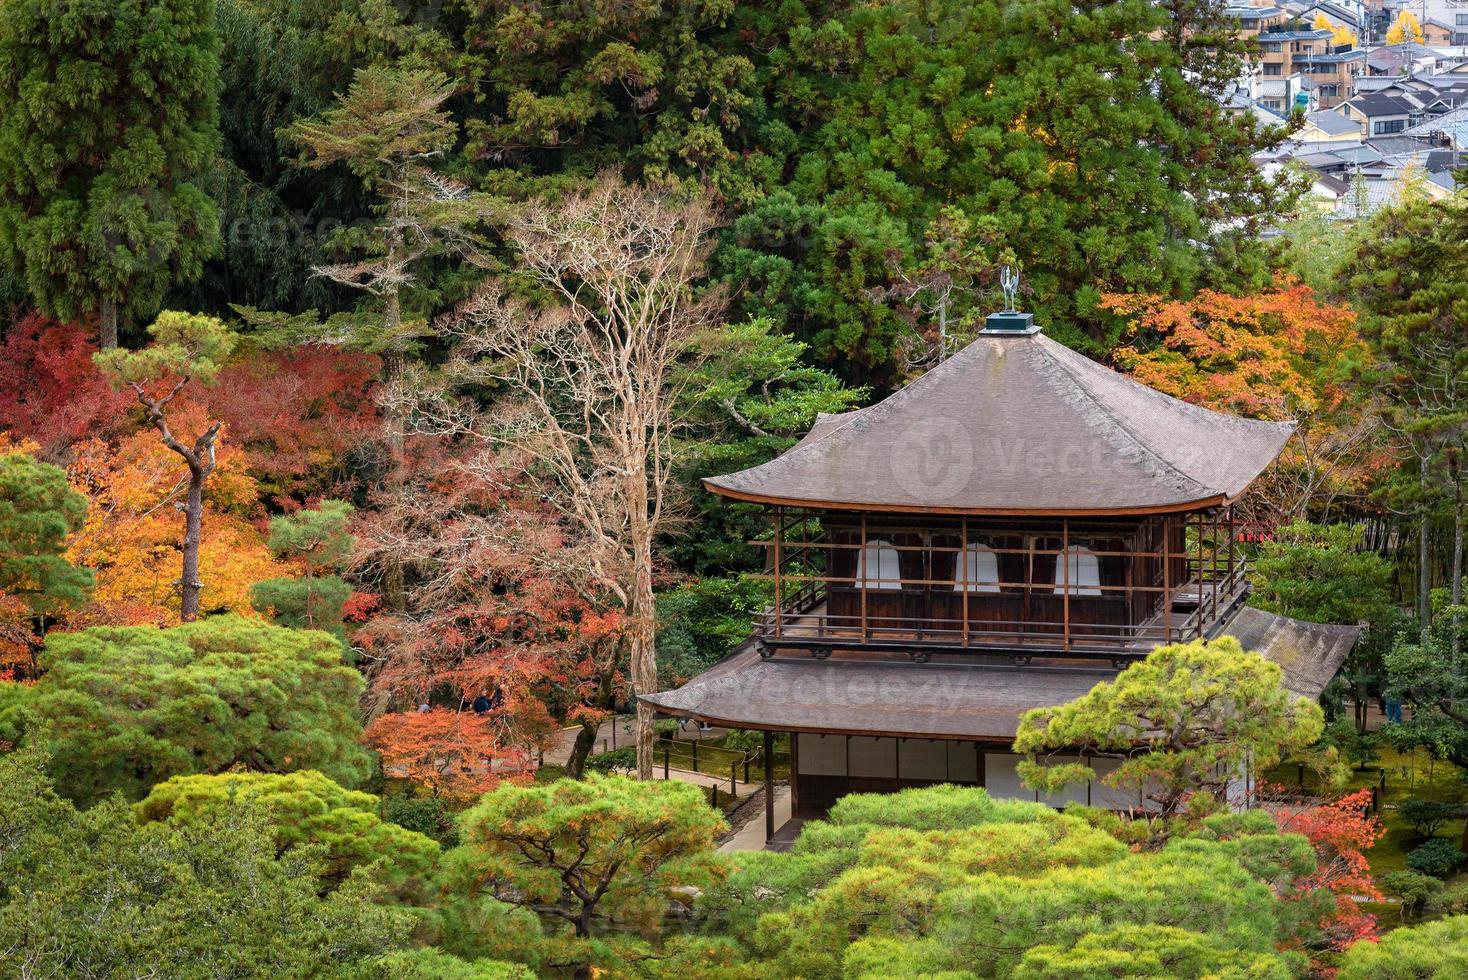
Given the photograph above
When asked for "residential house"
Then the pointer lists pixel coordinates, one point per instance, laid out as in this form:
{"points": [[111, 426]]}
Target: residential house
{"points": [[1384, 115]]}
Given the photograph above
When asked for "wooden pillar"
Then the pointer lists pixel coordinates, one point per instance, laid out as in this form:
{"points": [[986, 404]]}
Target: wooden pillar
{"points": [[769, 748], [963, 573], [864, 572], [1231, 533], [779, 564], [1198, 564], [1166, 579], [1065, 581], [1213, 566], [794, 774]]}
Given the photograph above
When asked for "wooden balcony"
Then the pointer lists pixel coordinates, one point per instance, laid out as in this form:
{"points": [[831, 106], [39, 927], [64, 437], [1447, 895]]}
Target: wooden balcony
{"points": [[926, 625]]}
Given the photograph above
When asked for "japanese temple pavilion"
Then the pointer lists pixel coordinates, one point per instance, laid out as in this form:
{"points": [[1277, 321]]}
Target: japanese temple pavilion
{"points": [[1011, 528]]}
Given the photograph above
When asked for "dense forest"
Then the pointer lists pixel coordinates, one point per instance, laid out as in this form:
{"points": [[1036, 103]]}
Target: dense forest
{"points": [[359, 360]]}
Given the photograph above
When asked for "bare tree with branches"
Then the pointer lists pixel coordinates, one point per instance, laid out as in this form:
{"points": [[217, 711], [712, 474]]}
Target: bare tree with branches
{"points": [[595, 377]]}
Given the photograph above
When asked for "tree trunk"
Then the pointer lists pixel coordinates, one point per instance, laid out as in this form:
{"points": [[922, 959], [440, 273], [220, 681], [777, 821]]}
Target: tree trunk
{"points": [[193, 532], [1457, 552], [108, 326], [1424, 572], [582, 749], [643, 653]]}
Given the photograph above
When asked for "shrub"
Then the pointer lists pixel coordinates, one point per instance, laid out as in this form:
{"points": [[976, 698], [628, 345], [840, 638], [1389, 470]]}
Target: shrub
{"points": [[623, 760], [428, 815], [1428, 816], [1454, 900], [1413, 888], [1438, 857]]}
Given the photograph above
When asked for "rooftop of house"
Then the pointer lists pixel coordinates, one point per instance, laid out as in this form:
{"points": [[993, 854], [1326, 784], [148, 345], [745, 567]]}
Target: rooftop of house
{"points": [[1375, 104], [1333, 123]]}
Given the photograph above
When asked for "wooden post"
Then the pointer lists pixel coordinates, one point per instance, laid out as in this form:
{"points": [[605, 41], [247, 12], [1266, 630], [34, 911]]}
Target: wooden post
{"points": [[1166, 579], [734, 777], [667, 754], [1199, 616], [779, 563], [1231, 533], [693, 744], [769, 748], [963, 563], [1065, 581], [1213, 567], [864, 572]]}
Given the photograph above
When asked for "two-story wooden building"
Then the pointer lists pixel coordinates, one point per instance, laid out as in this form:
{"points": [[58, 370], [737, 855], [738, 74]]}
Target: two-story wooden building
{"points": [[1014, 526]]}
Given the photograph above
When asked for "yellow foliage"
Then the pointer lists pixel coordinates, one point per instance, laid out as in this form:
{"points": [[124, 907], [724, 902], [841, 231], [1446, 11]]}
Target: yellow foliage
{"points": [[1405, 28], [133, 538]]}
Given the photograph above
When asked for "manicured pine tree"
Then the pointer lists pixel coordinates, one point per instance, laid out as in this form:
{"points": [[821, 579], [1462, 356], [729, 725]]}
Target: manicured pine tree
{"points": [[319, 539], [110, 113]]}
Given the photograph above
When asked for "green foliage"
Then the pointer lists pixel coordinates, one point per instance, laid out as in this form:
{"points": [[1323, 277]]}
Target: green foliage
{"points": [[110, 116], [1413, 888], [1320, 573], [1427, 816], [623, 760], [38, 509], [305, 808], [13, 700], [1438, 857], [433, 964], [185, 346], [124, 708], [701, 622], [1438, 949], [1182, 724], [1086, 140], [93, 894], [426, 815], [1151, 952], [975, 887], [584, 852], [1430, 672], [317, 537]]}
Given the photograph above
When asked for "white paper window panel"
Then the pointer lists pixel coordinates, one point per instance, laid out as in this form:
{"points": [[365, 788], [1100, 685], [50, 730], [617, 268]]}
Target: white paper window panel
{"points": [[979, 571], [1075, 793], [873, 756], [821, 755], [1080, 572], [1103, 795], [879, 566], [1001, 780], [922, 758]]}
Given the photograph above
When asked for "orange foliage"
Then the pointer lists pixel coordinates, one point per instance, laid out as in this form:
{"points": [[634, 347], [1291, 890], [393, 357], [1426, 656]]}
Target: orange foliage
{"points": [[1280, 354], [456, 753], [133, 537], [1341, 832]]}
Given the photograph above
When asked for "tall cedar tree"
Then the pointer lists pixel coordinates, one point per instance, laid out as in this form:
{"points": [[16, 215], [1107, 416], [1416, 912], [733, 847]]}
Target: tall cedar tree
{"points": [[185, 348], [110, 116]]}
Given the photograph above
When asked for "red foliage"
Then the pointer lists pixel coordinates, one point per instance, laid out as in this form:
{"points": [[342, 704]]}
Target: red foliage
{"points": [[51, 392], [498, 598], [1341, 832], [295, 413]]}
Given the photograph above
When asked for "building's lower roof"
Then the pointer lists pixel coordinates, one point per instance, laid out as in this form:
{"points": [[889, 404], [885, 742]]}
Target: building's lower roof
{"points": [[953, 700]]}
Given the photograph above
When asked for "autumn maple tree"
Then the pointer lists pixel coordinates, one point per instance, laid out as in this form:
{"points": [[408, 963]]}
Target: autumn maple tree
{"points": [[500, 596], [1279, 354], [185, 348], [1341, 831]]}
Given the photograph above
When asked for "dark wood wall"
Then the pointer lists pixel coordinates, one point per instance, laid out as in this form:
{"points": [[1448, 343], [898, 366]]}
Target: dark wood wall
{"points": [[1027, 554]]}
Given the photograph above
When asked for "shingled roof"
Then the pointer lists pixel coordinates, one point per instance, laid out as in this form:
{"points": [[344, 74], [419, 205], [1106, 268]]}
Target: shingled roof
{"points": [[957, 699], [1018, 425]]}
